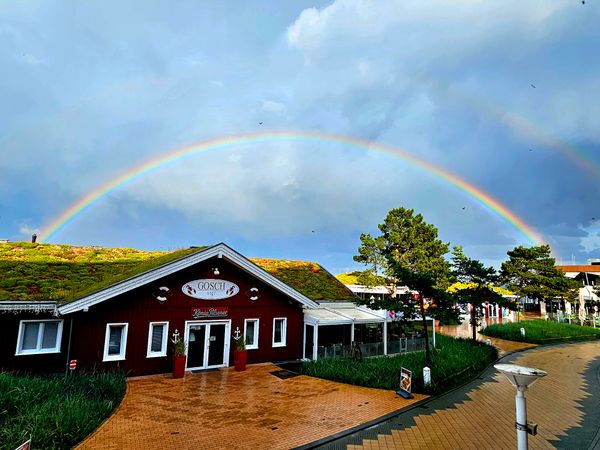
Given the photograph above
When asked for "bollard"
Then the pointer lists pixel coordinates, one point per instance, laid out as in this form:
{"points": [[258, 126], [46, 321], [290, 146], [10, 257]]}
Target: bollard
{"points": [[522, 331], [426, 376]]}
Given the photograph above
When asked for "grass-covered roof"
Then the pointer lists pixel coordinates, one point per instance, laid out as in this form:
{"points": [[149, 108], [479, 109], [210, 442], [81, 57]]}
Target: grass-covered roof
{"points": [[33, 271], [63, 272], [308, 278], [459, 286]]}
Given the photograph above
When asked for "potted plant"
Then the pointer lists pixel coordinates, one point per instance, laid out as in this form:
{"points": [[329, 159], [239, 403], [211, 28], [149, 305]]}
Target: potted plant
{"points": [[240, 354], [179, 347]]}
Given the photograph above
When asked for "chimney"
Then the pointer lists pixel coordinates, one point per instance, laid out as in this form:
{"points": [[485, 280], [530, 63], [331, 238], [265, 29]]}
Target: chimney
{"points": [[33, 238]]}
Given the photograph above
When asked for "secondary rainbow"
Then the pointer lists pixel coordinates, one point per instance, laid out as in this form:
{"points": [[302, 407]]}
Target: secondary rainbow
{"points": [[138, 171]]}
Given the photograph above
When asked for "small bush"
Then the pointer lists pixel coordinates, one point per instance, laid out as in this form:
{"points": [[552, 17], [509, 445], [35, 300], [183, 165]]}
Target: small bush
{"points": [[454, 361], [541, 331], [56, 411]]}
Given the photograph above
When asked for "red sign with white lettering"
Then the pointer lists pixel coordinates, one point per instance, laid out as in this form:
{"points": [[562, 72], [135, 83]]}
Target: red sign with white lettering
{"points": [[73, 364], [210, 313]]}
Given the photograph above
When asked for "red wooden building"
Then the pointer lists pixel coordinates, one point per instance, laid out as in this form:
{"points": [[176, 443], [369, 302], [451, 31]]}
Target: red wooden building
{"points": [[206, 297]]}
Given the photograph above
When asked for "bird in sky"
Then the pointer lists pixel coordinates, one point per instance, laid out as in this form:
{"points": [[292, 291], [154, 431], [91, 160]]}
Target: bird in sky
{"points": [[533, 86], [260, 123], [530, 149], [464, 207]]}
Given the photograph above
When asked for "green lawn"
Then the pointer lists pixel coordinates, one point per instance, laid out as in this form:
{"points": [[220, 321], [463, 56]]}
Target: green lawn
{"points": [[57, 412], [454, 362], [541, 331]]}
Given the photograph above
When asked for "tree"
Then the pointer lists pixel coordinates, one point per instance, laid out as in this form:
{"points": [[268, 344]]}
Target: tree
{"points": [[408, 251], [532, 272], [479, 281]]}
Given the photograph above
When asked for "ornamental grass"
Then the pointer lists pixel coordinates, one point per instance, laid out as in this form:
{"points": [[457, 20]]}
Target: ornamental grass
{"points": [[454, 362], [541, 332], [55, 411]]}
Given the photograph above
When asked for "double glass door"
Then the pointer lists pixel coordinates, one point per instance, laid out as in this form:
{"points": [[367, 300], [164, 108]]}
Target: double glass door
{"points": [[208, 345]]}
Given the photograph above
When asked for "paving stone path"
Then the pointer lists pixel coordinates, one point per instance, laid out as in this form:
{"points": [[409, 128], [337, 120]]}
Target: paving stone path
{"points": [[481, 415], [226, 409]]}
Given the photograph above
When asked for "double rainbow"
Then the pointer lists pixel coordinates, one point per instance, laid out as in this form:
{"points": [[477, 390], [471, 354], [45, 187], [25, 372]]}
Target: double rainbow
{"points": [[93, 197]]}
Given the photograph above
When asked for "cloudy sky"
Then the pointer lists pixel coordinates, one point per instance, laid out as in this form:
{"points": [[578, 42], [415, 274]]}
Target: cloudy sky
{"points": [[504, 94]]}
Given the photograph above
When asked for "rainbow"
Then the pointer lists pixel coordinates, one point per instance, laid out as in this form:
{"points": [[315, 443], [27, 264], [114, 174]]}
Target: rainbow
{"points": [[138, 171]]}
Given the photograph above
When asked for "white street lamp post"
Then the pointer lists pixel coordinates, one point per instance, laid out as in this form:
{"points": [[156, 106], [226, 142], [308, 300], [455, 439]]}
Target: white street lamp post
{"points": [[521, 377]]}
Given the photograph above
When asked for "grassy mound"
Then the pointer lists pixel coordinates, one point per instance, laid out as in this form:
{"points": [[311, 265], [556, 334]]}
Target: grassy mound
{"points": [[57, 412], [454, 361], [541, 332]]}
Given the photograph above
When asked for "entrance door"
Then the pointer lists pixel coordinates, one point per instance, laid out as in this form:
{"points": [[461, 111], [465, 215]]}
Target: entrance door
{"points": [[196, 345], [208, 344], [216, 344]]}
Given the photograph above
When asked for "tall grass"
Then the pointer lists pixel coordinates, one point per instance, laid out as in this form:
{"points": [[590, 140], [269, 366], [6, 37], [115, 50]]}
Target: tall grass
{"points": [[454, 361], [57, 412], [541, 331]]}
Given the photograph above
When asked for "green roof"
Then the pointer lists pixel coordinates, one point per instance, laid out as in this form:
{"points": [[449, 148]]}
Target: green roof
{"points": [[308, 278], [64, 272], [33, 271]]}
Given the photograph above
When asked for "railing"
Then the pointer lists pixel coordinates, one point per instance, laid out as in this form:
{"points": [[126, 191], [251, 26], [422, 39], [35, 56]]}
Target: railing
{"points": [[395, 346], [408, 344]]}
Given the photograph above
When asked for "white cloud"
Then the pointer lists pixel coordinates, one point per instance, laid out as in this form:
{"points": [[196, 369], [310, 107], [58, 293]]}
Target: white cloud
{"points": [[274, 107], [590, 242], [414, 23], [28, 231]]}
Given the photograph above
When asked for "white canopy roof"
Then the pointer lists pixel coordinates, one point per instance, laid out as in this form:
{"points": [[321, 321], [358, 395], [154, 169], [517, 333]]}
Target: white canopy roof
{"points": [[342, 314]]}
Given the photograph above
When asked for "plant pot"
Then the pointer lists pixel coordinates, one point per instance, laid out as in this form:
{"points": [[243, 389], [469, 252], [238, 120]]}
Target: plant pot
{"points": [[239, 359], [178, 366]]}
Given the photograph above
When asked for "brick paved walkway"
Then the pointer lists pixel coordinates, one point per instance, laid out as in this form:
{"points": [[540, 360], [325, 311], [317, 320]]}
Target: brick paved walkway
{"points": [[229, 410], [464, 330], [565, 404]]}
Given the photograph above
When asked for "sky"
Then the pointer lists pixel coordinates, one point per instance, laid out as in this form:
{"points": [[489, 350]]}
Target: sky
{"points": [[503, 94]]}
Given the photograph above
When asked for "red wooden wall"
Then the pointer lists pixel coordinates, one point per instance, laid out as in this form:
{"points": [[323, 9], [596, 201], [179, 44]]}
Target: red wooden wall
{"points": [[139, 307], [9, 329]]}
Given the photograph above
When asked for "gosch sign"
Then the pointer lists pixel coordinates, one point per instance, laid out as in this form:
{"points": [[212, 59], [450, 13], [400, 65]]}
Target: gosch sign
{"points": [[210, 289]]}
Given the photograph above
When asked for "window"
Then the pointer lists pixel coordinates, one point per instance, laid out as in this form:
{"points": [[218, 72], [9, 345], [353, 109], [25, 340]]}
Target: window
{"points": [[115, 341], [157, 339], [39, 336], [251, 333], [279, 331]]}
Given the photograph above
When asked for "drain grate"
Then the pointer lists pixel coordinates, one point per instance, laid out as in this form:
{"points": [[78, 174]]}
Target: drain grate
{"points": [[284, 374]]}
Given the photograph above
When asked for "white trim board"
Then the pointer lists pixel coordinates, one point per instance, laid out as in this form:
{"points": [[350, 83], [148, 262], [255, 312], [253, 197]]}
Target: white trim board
{"points": [[219, 250]]}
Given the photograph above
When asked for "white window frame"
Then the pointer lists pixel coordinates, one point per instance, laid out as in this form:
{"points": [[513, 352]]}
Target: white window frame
{"points": [[283, 332], [38, 350], [257, 322], [163, 352], [121, 355]]}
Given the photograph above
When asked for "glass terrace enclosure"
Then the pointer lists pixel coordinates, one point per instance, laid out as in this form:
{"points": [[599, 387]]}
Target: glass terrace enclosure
{"points": [[329, 332]]}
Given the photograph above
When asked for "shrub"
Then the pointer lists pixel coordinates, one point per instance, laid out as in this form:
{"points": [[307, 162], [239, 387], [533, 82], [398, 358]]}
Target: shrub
{"points": [[56, 411], [454, 361]]}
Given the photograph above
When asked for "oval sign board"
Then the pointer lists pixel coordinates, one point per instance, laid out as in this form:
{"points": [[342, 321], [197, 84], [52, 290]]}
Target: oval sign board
{"points": [[210, 289]]}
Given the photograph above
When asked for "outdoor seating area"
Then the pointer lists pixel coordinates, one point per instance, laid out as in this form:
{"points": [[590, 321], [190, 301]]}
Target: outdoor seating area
{"points": [[332, 330]]}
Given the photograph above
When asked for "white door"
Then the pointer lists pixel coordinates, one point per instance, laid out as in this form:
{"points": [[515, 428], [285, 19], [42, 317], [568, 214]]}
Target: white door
{"points": [[207, 344]]}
